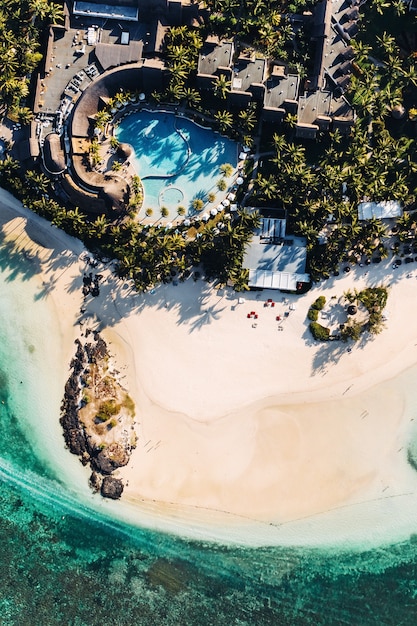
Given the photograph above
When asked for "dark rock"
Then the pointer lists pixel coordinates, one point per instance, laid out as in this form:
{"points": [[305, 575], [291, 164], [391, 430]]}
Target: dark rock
{"points": [[109, 459], [95, 481], [111, 487], [102, 463]]}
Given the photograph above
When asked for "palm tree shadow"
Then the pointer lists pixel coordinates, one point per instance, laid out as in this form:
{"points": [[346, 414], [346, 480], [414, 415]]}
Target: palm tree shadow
{"points": [[17, 262], [207, 316], [329, 354]]}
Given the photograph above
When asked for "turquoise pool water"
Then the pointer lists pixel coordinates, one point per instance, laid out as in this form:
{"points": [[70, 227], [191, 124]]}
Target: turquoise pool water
{"points": [[176, 159]]}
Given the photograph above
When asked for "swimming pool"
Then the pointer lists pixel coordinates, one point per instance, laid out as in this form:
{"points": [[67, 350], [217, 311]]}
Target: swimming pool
{"points": [[177, 160]]}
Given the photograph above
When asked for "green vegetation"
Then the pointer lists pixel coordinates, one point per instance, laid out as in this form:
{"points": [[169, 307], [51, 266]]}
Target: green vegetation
{"points": [[107, 409], [353, 331], [373, 299], [313, 314], [146, 254], [114, 142], [22, 22], [226, 169], [198, 204], [319, 332], [319, 184], [319, 303]]}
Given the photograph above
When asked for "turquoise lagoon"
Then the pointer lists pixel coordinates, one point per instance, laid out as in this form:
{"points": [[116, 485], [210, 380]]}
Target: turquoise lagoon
{"points": [[176, 159], [63, 561]]}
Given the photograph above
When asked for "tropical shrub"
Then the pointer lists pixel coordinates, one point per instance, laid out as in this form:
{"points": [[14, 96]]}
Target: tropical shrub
{"points": [[319, 332], [319, 303], [107, 409], [313, 314]]}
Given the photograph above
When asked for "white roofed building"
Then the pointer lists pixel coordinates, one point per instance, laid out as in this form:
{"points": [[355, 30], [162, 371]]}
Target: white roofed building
{"points": [[386, 209], [275, 260]]}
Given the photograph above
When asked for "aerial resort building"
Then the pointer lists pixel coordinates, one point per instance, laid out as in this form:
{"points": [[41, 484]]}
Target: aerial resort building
{"points": [[379, 210], [275, 260]]}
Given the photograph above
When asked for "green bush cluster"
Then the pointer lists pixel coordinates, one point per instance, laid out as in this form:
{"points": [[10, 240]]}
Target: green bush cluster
{"points": [[107, 409], [319, 303], [313, 311], [319, 332]]}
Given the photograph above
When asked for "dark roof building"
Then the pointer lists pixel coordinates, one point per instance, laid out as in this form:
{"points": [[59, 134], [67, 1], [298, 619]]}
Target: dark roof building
{"points": [[281, 94], [53, 155], [322, 111], [111, 55], [248, 76], [214, 59]]}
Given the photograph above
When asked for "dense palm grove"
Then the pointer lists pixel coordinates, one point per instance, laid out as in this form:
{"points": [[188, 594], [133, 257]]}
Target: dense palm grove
{"points": [[21, 24], [147, 254], [318, 183], [321, 187]]}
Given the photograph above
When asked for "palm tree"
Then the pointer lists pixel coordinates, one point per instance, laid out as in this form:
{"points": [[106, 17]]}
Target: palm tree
{"points": [[291, 120], [179, 54], [174, 92], [192, 96], [56, 13], [222, 87], [388, 43], [99, 227], [248, 119], [25, 115], [178, 73], [38, 182], [224, 119]]}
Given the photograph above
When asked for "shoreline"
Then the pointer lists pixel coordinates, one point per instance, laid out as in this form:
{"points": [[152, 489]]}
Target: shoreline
{"points": [[244, 423]]}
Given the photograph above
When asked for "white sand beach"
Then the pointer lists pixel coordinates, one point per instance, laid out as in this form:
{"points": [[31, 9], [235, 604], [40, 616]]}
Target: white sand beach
{"points": [[245, 428]]}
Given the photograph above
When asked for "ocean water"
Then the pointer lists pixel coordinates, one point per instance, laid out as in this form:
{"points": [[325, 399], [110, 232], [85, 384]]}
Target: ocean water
{"points": [[64, 563]]}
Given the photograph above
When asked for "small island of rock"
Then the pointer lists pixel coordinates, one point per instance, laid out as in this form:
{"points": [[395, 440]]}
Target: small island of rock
{"points": [[97, 415]]}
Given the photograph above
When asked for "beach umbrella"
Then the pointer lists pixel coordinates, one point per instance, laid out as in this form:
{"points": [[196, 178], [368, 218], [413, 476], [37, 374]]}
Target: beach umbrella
{"points": [[231, 196], [226, 202], [233, 207], [142, 97], [187, 222], [205, 217], [213, 212], [239, 180], [351, 309]]}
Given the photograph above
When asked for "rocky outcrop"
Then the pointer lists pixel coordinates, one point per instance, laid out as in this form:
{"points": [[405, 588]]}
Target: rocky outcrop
{"points": [[111, 487], [97, 416]]}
